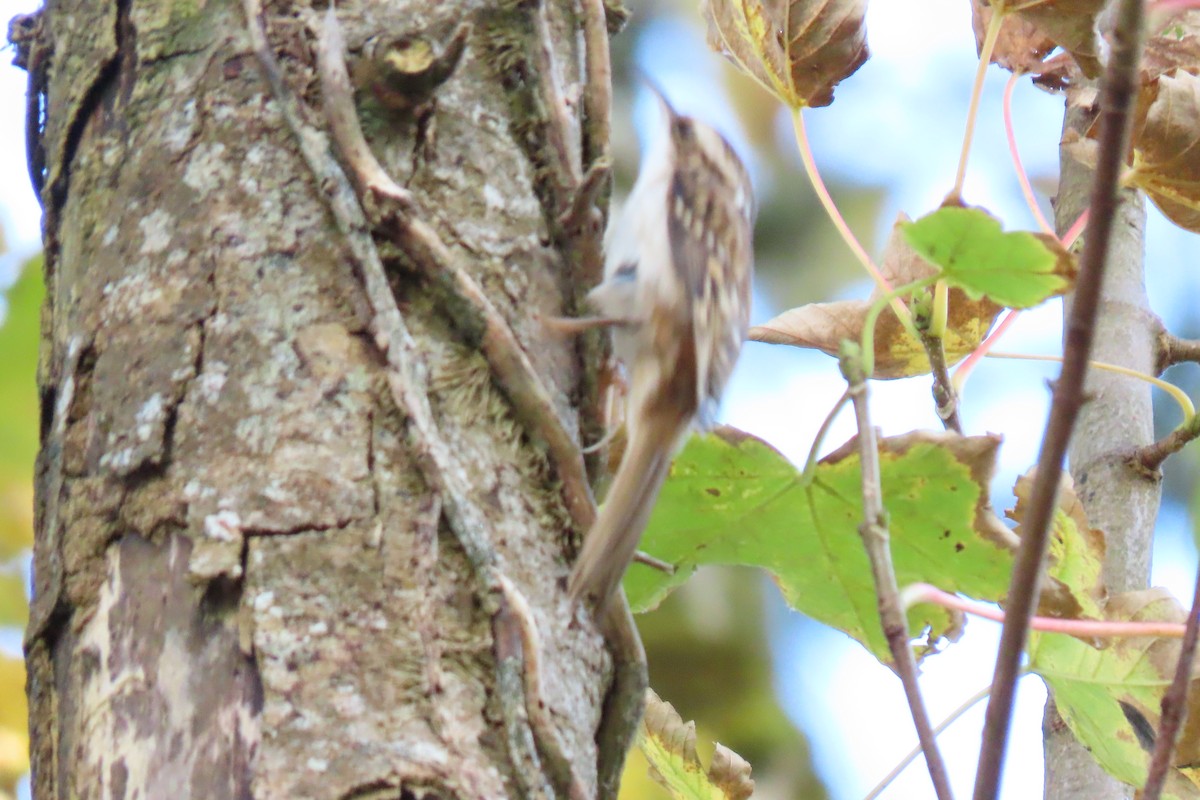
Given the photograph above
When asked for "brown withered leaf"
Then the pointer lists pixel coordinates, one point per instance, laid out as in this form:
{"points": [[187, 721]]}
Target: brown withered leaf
{"points": [[1021, 46], [1070, 24], [1176, 45], [1166, 141], [799, 50], [669, 744], [823, 326]]}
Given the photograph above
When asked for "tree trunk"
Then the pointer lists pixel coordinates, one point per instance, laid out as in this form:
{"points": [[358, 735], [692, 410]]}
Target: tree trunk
{"points": [[1117, 418], [245, 583]]}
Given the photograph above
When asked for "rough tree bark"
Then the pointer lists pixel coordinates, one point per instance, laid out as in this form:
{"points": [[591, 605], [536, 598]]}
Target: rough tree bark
{"points": [[244, 583], [1117, 418]]}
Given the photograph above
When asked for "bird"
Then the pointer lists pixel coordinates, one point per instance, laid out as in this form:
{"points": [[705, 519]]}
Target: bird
{"points": [[675, 294]]}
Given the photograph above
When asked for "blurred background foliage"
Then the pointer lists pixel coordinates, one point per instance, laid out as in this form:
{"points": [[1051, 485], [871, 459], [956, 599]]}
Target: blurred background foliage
{"points": [[18, 447]]}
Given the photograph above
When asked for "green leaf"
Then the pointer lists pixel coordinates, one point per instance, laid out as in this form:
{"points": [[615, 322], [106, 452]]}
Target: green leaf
{"points": [[670, 746], [1111, 697], [732, 499], [1016, 269], [19, 408]]}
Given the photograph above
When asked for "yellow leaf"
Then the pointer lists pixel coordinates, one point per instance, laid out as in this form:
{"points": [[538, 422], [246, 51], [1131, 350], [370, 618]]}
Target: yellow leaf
{"points": [[14, 726]]}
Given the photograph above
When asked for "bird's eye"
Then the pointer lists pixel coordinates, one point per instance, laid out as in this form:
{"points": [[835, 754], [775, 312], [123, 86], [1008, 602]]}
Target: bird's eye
{"points": [[627, 271]]}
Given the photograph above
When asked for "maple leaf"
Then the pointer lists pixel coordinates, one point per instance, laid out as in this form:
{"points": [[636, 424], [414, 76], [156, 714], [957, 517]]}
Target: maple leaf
{"points": [[1166, 141], [1071, 24], [1020, 47], [669, 744], [823, 326], [1175, 46], [1111, 697], [798, 50]]}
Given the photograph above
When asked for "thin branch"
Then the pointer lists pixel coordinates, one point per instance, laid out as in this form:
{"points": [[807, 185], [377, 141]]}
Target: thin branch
{"points": [[582, 217], [515, 614], [626, 698], [810, 464], [1177, 394], [510, 365], [1172, 350], [941, 727], [1015, 153], [835, 216], [985, 59], [597, 89], [558, 131], [918, 593], [875, 536], [511, 683], [968, 365], [1076, 230], [1118, 90], [944, 395], [1174, 704], [1149, 459]]}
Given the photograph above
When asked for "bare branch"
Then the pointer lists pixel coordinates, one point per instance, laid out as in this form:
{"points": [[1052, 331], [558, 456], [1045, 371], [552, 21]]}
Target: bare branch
{"points": [[1149, 459], [1116, 98], [1174, 704], [516, 616], [876, 540], [559, 130], [626, 698], [1173, 350], [944, 396], [597, 90], [510, 684]]}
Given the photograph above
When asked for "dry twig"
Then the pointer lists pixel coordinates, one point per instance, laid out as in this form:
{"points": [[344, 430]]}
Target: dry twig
{"points": [[875, 536]]}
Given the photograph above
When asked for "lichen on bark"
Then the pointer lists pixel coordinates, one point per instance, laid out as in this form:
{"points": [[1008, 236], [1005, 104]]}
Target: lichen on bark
{"points": [[242, 584]]}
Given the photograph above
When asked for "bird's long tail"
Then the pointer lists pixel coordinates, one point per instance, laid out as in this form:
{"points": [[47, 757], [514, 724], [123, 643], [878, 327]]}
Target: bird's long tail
{"points": [[613, 539]]}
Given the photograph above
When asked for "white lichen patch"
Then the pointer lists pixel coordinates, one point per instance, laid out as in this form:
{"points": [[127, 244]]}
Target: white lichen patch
{"points": [[225, 526], [208, 168], [156, 230], [180, 127], [348, 702], [493, 197], [212, 381], [135, 297], [150, 415], [219, 551], [263, 601], [317, 764], [118, 460]]}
